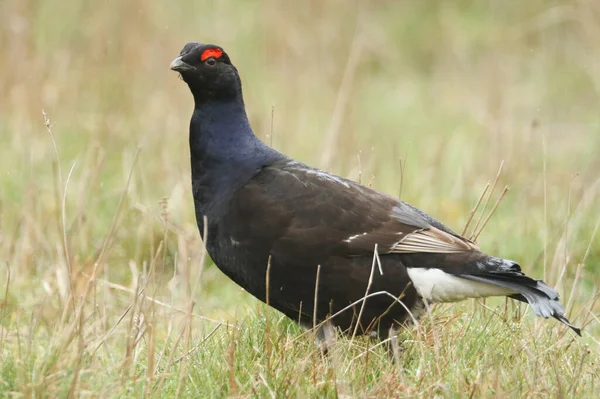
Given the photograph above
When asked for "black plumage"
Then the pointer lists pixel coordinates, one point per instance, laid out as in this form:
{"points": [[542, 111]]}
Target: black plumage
{"points": [[264, 208]]}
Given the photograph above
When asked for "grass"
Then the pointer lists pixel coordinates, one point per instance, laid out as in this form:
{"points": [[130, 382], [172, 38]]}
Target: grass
{"points": [[449, 90]]}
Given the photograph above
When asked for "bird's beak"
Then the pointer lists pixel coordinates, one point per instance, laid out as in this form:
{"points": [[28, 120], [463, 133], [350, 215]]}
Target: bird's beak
{"points": [[179, 65]]}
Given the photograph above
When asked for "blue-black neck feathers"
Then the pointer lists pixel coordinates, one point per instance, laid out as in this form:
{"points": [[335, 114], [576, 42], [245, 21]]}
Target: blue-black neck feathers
{"points": [[225, 152]]}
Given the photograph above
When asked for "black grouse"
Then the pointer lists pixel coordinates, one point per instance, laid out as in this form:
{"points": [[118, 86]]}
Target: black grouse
{"points": [[266, 211]]}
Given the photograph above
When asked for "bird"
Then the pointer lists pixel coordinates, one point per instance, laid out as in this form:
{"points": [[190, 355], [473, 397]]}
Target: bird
{"points": [[322, 249]]}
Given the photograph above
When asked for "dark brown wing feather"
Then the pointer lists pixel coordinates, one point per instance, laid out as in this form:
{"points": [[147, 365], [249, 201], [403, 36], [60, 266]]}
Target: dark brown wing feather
{"points": [[350, 217]]}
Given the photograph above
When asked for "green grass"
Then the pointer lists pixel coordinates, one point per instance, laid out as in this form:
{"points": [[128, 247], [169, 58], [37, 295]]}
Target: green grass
{"points": [[450, 89]]}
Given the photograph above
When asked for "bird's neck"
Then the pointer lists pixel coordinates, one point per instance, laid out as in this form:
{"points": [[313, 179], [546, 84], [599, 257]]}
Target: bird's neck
{"points": [[224, 151]]}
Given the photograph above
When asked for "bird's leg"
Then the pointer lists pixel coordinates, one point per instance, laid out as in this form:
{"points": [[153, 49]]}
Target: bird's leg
{"points": [[325, 337], [392, 344]]}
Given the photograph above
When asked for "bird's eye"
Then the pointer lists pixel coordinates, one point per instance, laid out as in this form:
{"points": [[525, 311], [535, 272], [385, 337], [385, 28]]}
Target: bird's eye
{"points": [[211, 61]]}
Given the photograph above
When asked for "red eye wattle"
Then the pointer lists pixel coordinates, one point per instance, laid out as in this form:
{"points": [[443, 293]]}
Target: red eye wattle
{"points": [[211, 52]]}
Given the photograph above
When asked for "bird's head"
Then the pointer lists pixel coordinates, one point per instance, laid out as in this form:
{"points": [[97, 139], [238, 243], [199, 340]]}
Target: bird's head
{"points": [[208, 71]]}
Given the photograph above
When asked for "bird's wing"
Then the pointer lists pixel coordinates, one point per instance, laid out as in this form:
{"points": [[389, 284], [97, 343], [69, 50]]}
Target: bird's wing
{"points": [[320, 210]]}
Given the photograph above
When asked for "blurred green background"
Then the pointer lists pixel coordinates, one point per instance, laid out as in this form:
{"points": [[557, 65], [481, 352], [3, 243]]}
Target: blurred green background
{"points": [[451, 89]]}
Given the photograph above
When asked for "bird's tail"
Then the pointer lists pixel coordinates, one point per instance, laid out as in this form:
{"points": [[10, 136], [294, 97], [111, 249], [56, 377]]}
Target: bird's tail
{"points": [[542, 298], [546, 306]]}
